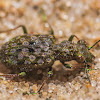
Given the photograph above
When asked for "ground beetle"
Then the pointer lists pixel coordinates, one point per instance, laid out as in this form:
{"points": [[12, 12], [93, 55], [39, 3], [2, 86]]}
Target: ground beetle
{"points": [[28, 52]]}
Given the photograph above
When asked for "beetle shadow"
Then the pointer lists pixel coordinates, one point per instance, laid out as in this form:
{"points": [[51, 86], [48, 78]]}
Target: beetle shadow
{"points": [[60, 74], [67, 75], [37, 76]]}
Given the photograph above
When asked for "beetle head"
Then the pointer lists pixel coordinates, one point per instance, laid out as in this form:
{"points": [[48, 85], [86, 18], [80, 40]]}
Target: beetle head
{"points": [[83, 54]]}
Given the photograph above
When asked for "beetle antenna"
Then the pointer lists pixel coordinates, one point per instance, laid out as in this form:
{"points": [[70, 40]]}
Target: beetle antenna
{"points": [[93, 45], [23, 27]]}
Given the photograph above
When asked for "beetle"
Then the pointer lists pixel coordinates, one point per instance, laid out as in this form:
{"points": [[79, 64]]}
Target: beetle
{"points": [[28, 52]]}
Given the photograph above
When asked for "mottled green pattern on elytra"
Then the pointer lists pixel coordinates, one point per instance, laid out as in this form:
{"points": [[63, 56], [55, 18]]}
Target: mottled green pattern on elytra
{"points": [[28, 51]]}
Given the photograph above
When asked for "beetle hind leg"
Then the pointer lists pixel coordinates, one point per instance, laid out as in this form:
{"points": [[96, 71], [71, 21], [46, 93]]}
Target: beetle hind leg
{"points": [[22, 26]]}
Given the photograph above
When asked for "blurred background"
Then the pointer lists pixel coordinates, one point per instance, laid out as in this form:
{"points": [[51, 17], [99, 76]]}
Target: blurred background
{"points": [[66, 17], [79, 17]]}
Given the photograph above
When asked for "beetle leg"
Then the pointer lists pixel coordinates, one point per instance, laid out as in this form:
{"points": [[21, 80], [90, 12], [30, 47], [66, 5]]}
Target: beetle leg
{"points": [[71, 38], [11, 76], [67, 65], [23, 27], [50, 73], [44, 17], [86, 70], [87, 75], [51, 30]]}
